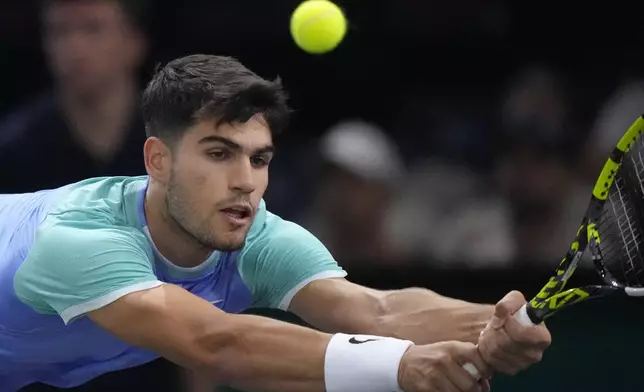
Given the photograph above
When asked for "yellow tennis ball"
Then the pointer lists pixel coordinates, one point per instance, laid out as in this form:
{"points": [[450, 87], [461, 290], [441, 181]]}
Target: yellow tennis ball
{"points": [[318, 26]]}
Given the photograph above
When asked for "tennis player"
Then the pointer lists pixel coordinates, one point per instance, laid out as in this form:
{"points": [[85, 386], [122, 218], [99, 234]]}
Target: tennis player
{"points": [[111, 273]]}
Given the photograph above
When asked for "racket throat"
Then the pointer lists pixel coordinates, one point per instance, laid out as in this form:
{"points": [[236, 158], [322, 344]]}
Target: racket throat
{"points": [[571, 269]]}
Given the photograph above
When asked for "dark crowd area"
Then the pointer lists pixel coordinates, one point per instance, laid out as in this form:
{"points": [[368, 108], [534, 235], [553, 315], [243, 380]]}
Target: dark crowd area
{"points": [[445, 144]]}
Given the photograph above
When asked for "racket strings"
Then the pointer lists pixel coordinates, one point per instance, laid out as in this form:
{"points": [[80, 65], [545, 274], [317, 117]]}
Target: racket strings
{"points": [[626, 239], [621, 228]]}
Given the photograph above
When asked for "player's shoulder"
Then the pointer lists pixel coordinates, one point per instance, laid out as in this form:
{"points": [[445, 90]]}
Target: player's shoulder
{"points": [[100, 201], [83, 228], [93, 213], [74, 237]]}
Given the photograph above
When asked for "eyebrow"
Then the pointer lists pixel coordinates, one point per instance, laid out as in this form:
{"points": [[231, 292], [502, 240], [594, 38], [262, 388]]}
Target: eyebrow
{"points": [[233, 145]]}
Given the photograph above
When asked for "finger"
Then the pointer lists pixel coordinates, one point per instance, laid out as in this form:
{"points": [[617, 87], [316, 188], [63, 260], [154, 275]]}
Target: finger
{"points": [[512, 302], [507, 367], [460, 377], [485, 385], [514, 338], [446, 384], [507, 306], [500, 349], [473, 356], [510, 363], [472, 370], [517, 353], [515, 299], [536, 336], [506, 356]]}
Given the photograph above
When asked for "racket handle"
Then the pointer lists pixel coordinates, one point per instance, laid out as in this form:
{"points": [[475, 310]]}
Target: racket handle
{"points": [[522, 317]]}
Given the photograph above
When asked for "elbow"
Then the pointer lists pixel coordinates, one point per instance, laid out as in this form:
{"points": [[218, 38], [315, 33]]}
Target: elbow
{"points": [[385, 315], [378, 312], [222, 351], [381, 306]]}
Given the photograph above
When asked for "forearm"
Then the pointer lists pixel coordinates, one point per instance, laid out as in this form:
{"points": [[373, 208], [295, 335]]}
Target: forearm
{"points": [[250, 352], [424, 316], [257, 353]]}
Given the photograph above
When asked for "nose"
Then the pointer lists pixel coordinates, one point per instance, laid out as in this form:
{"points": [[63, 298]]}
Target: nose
{"points": [[241, 177]]}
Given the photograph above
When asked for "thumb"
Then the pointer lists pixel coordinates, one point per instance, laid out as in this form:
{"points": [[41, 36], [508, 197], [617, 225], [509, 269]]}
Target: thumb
{"points": [[507, 306], [501, 314]]}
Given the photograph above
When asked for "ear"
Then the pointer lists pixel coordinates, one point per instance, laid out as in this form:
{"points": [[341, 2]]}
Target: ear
{"points": [[158, 159]]}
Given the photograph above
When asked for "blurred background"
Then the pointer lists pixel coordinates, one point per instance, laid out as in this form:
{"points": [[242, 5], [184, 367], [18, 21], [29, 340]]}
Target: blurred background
{"points": [[445, 144]]}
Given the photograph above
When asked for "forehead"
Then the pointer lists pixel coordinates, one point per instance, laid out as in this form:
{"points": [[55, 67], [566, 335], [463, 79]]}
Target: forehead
{"points": [[71, 11], [250, 135]]}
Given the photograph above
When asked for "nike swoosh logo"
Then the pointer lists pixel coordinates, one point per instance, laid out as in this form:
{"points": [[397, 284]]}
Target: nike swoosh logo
{"points": [[215, 302], [356, 341]]}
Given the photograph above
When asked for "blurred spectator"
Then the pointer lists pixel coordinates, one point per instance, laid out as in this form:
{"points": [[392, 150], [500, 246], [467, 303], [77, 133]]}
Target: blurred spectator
{"points": [[360, 173], [616, 114], [447, 213], [89, 126], [537, 166]]}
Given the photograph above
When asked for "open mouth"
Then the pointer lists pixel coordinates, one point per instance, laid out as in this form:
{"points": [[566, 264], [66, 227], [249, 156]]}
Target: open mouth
{"points": [[237, 212]]}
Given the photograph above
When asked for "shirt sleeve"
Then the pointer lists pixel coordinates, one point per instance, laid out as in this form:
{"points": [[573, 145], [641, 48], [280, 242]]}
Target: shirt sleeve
{"points": [[281, 260], [71, 271]]}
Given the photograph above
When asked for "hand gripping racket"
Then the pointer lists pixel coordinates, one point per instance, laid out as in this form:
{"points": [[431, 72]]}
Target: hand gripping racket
{"points": [[612, 230]]}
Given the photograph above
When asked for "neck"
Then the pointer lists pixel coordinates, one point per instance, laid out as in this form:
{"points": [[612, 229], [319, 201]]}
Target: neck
{"points": [[100, 120], [172, 241]]}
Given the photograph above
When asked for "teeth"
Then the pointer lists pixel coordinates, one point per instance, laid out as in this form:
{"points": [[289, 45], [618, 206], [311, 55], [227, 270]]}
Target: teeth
{"points": [[237, 212]]}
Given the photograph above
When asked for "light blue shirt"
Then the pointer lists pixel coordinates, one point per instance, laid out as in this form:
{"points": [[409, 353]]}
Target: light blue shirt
{"points": [[68, 251]]}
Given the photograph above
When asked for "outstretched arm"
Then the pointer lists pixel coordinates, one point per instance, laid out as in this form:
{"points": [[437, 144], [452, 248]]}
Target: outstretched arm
{"points": [[257, 353], [429, 317], [424, 317], [417, 314], [240, 350]]}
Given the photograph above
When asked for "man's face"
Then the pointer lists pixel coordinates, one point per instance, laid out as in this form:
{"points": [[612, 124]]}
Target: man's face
{"points": [[219, 175], [90, 44]]}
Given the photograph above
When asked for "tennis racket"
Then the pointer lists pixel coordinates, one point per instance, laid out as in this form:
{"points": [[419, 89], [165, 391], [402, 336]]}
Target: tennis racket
{"points": [[612, 230]]}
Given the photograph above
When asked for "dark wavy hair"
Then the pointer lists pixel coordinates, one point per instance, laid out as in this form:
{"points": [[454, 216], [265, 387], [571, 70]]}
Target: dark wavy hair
{"points": [[200, 86]]}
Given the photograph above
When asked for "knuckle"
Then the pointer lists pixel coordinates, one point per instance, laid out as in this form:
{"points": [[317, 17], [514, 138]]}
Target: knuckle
{"points": [[464, 349], [467, 345], [504, 368], [426, 383], [460, 345], [487, 371], [496, 366], [442, 358], [449, 347], [486, 355], [523, 334], [469, 385], [547, 338], [540, 341], [536, 356], [499, 368]]}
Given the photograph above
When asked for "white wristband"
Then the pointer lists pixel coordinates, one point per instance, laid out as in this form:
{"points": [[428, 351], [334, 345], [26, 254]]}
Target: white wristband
{"points": [[363, 363]]}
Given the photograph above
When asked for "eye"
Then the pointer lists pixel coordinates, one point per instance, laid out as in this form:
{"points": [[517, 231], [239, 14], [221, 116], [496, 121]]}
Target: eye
{"points": [[260, 161], [219, 155]]}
